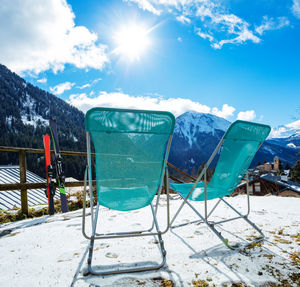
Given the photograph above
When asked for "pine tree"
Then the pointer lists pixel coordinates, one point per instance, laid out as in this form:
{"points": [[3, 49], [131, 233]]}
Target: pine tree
{"points": [[295, 172], [16, 133], [287, 166], [280, 171]]}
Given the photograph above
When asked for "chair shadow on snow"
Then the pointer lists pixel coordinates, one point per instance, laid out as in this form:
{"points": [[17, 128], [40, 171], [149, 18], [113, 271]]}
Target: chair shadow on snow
{"points": [[128, 279], [12, 226], [222, 255]]}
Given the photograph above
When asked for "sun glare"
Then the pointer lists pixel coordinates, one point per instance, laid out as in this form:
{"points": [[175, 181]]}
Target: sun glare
{"points": [[132, 41]]}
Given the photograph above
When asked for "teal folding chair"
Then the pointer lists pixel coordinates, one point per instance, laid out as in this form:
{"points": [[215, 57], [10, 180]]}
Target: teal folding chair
{"points": [[237, 150], [131, 151]]}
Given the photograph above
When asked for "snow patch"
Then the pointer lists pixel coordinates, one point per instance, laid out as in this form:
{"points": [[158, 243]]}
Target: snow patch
{"points": [[75, 139], [34, 120], [28, 114], [291, 145], [9, 120], [268, 149]]}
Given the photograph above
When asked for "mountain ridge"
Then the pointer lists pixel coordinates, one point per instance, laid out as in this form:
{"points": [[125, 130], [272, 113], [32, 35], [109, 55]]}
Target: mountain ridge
{"points": [[192, 145], [26, 109], [24, 118]]}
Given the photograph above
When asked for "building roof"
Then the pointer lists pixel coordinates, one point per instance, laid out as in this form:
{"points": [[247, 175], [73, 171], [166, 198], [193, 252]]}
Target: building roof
{"points": [[291, 185], [12, 198]]}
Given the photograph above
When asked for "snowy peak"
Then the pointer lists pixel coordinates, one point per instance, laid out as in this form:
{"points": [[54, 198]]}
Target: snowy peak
{"points": [[197, 134], [287, 135], [195, 137], [206, 123], [286, 131], [189, 124]]}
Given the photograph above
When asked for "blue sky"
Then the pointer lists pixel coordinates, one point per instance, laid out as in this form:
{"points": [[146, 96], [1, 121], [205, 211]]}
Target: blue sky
{"points": [[235, 59]]}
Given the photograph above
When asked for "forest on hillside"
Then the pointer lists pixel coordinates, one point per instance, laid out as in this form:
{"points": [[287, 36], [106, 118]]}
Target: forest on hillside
{"points": [[24, 114]]}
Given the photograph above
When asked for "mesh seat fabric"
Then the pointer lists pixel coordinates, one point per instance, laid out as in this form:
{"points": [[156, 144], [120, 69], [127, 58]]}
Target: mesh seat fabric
{"points": [[240, 145], [130, 147]]}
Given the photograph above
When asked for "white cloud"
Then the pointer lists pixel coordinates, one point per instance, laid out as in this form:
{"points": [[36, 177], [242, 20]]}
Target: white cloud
{"points": [[42, 81], [285, 131], [60, 88], [205, 35], [278, 132], [83, 86], [226, 112], [272, 24], [216, 24], [177, 106], [296, 8], [96, 81], [39, 35], [260, 118], [121, 100], [247, 115], [220, 20], [241, 38], [179, 39], [294, 125], [183, 19], [145, 5], [88, 85]]}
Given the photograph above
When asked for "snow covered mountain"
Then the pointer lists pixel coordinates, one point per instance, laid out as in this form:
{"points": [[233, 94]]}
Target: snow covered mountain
{"points": [[292, 142], [190, 124], [196, 136], [25, 111], [287, 131], [287, 135], [272, 148]]}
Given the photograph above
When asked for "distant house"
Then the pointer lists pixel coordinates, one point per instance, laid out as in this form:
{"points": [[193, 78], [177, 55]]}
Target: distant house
{"points": [[268, 167], [12, 198], [271, 184]]}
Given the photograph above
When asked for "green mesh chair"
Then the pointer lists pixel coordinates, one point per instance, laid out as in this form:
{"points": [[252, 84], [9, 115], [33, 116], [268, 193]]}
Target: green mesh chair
{"points": [[237, 150], [131, 151]]}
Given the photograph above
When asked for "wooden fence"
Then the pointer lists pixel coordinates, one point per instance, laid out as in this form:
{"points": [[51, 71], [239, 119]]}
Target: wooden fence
{"points": [[23, 185]]}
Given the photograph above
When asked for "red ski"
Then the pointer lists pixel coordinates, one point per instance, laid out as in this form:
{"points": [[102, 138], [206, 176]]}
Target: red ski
{"points": [[60, 177], [49, 173]]}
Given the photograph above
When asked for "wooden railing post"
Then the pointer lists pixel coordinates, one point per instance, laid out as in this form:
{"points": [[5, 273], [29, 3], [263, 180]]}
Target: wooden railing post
{"points": [[24, 200]]}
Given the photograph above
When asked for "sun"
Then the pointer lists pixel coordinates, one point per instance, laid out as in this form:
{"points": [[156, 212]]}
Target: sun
{"points": [[132, 41]]}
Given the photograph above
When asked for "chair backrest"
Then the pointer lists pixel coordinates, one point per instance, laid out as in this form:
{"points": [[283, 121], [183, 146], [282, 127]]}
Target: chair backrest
{"points": [[131, 150], [240, 145]]}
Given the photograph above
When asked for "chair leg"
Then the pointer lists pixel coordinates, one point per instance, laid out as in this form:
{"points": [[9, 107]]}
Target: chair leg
{"points": [[161, 242], [211, 225], [125, 270], [194, 221], [156, 207], [136, 231], [245, 217], [224, 240]]}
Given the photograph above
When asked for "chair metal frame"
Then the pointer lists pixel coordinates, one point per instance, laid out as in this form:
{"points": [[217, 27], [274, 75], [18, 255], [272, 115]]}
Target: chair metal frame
{"points": [[205, 218], [136, 233]]}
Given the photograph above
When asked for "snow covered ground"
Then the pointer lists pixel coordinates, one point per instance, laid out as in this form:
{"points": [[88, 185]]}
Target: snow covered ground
{"points": [[47, 251]]}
